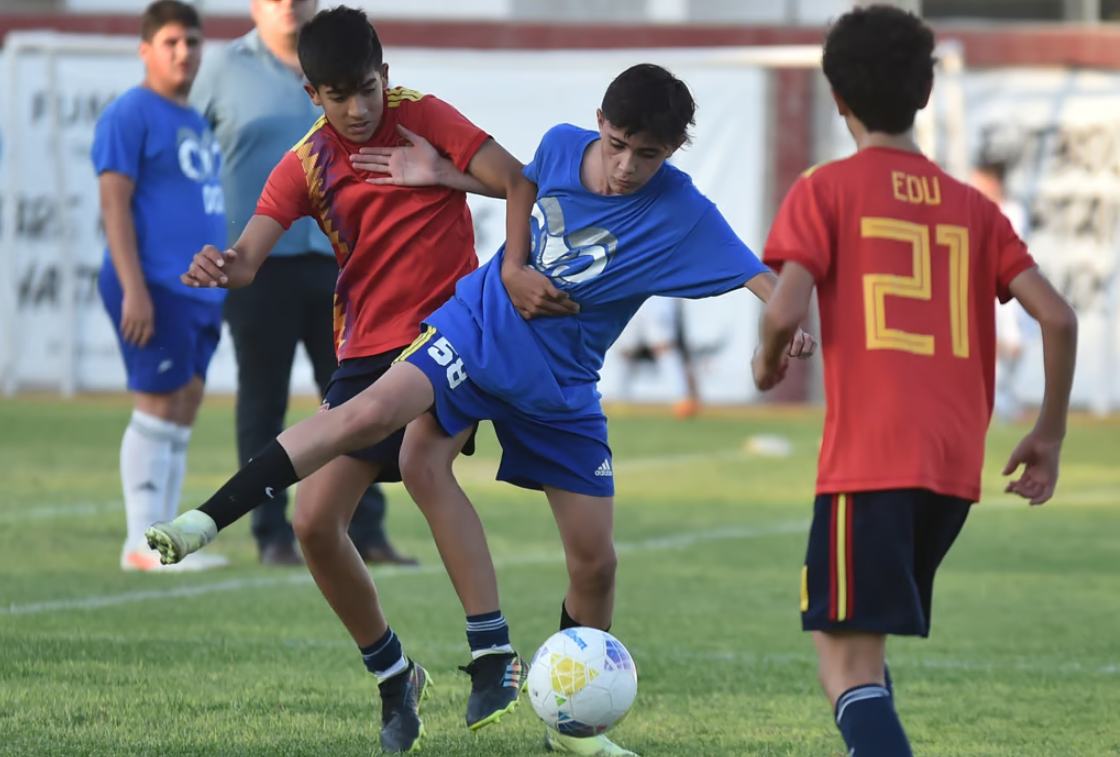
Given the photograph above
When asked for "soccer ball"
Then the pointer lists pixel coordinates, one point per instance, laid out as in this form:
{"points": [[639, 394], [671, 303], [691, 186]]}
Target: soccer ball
{"points": [[582, 682]]}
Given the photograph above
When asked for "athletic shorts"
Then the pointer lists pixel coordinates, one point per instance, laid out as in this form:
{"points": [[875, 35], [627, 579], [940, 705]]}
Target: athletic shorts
{"points": [[187, 332], [570, 454], [353, 377], [872, 558]]}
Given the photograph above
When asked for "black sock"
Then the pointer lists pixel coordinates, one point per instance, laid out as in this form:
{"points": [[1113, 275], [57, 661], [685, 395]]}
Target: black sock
{"points": [[869, 724], [567, 621], [264, 476]]}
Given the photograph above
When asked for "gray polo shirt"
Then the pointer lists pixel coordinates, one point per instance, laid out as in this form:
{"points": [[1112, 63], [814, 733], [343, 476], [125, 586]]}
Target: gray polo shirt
{"points": [[258, 109]]}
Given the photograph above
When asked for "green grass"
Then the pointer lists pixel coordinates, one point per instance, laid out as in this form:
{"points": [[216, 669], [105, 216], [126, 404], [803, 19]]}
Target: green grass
{"points": [[1024, 658]]}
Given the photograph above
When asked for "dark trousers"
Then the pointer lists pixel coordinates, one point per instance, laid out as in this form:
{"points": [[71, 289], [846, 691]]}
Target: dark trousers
{"points": [[290, 301]]}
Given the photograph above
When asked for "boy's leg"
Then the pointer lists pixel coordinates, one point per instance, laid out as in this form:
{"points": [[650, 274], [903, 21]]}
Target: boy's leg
{"points": [[159, 376], [401, 395], [325, 504], [869, 574], [586, 525], [497, 673]]}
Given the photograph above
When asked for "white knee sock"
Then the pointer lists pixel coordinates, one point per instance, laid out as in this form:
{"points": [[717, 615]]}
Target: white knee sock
{"points": [[178, 472], [145, 467]]}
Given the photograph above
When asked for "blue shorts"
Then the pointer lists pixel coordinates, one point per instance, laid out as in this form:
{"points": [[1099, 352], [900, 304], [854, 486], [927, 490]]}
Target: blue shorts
{"points": [[570, 454], [872, 558], [186, 335], [353, 377]]}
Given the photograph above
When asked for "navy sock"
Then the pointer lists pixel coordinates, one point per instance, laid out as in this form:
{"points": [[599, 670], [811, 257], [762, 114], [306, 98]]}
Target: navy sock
{"points": [[488, 633], [567, 621], [385, 657], [262, 478], [869, 724]]}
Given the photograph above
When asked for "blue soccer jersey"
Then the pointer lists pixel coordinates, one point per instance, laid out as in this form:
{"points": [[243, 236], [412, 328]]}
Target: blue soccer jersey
{"points": [[611, 253], [170, 153]]}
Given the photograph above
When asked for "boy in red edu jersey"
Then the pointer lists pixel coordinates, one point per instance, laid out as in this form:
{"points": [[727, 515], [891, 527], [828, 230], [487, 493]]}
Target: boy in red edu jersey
{"points": [[908, 264], [401, 249]]}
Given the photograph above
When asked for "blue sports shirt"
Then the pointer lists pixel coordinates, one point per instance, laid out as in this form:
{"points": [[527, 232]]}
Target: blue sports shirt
{"points": [[610, 253], [170, 153]]}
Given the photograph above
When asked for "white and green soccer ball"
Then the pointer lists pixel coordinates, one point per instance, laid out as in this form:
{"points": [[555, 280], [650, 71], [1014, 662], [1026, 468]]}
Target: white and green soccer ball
{"points": [[582, 682]]}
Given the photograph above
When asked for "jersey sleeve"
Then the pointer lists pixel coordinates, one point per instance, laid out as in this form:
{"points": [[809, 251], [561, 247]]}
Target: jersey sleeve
{"points": [[118, 141], [710, 261], [803, 231], [285, 198], [452, 133], [1011, 254]]}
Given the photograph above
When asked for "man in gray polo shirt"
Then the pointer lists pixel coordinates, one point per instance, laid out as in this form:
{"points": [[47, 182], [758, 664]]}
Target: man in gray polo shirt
{"points": [[251, 92]]}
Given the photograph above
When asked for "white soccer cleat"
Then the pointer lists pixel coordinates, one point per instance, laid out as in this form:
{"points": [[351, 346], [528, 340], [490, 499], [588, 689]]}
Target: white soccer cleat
{"points": [[188, 533], [595, 746]]}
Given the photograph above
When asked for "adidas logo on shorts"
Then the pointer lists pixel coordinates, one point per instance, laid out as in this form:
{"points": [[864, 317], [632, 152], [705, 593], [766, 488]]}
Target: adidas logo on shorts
{"points": [[605, 469]]}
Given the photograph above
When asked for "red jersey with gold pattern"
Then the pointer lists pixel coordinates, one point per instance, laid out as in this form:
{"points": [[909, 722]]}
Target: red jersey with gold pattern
{"points": [[400, 250], [908, 264]]}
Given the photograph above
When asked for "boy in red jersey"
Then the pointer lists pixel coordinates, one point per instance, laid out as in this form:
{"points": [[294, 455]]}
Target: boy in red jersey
{"points": [[908, 264], [401, 251]]}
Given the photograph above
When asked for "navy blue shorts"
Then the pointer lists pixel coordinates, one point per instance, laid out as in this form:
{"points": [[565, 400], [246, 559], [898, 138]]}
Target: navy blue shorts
{"points": [[872, 558], [187, 332], [353, 377], [570, 454]]}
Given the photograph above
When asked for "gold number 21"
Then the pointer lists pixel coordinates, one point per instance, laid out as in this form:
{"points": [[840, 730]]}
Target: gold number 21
{"points": [[918, 286]]}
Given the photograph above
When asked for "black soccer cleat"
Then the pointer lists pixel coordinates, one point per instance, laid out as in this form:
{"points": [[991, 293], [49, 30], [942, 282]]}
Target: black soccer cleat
{"points": [[497, 681], [401, 727]]}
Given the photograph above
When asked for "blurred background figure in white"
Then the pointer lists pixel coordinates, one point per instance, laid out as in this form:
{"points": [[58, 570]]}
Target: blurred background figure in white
{"points": [[654, 342], [1013, 325]]}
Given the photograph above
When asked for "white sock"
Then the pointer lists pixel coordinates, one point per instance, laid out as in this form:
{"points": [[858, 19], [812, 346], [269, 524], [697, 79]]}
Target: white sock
{"points": [[177, 474], [145, 467]]}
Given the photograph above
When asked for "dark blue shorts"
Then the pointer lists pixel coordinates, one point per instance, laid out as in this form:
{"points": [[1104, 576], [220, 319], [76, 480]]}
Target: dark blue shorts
{"points": [[570, 453], [186, 336], [872, 558], [352, 378]]}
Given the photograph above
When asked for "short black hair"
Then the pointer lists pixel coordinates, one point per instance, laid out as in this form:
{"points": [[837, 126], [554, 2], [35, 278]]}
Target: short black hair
{"points": [[879, 60], [338, 48], [648, 98], [163, 12]]}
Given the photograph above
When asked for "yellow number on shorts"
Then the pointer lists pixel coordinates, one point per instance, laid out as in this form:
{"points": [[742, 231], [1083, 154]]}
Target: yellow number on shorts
{"points": [[918, 286]]}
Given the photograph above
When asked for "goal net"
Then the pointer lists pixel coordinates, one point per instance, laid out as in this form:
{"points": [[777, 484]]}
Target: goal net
{"points": [[55, 336]]}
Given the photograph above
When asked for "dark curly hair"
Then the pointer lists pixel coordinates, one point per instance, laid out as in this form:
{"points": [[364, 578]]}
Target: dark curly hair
{"points": [[879, 60], [339, 48]]}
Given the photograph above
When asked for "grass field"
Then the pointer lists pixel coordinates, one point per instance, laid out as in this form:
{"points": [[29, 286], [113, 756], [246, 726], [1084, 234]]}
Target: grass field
{"points": [[1024, 658]]}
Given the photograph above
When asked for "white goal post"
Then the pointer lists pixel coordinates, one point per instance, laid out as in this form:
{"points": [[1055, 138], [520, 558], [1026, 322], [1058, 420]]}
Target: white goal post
{"points": [[55, 336]]}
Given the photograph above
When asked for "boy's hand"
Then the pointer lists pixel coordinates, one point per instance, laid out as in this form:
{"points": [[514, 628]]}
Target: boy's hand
{"points": [[1039, 454], [803, 346], [207, 268], [533, 294], [138, 317], [766, 377], [416, 164]]}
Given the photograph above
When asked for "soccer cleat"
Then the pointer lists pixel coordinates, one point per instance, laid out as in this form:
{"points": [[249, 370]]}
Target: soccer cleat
{"points": [[595, 746], [497, 681], [188, 533], [401, 726]]}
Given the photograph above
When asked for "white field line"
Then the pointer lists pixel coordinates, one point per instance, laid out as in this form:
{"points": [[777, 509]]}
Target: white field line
{"points": [[742, 658], [668, 542]]}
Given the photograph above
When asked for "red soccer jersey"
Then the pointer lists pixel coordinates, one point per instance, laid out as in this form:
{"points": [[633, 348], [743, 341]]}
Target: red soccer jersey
{"points": [[400, 249], [908, 264]]}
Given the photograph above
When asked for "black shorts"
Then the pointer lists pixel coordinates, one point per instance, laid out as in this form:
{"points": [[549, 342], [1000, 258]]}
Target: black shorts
{"points": [[353, 377], [872, 558]]}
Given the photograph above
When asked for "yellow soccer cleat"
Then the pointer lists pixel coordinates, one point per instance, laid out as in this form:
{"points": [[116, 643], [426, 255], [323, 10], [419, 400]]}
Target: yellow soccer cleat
{"points": [[595, 746]]}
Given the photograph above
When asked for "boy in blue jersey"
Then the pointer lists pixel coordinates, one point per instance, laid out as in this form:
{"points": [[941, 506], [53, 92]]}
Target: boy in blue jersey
{"points": [[158, 175], [612, 225]]}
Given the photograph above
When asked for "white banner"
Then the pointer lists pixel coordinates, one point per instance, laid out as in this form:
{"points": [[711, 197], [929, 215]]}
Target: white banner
{"points": [[516, 96]]}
